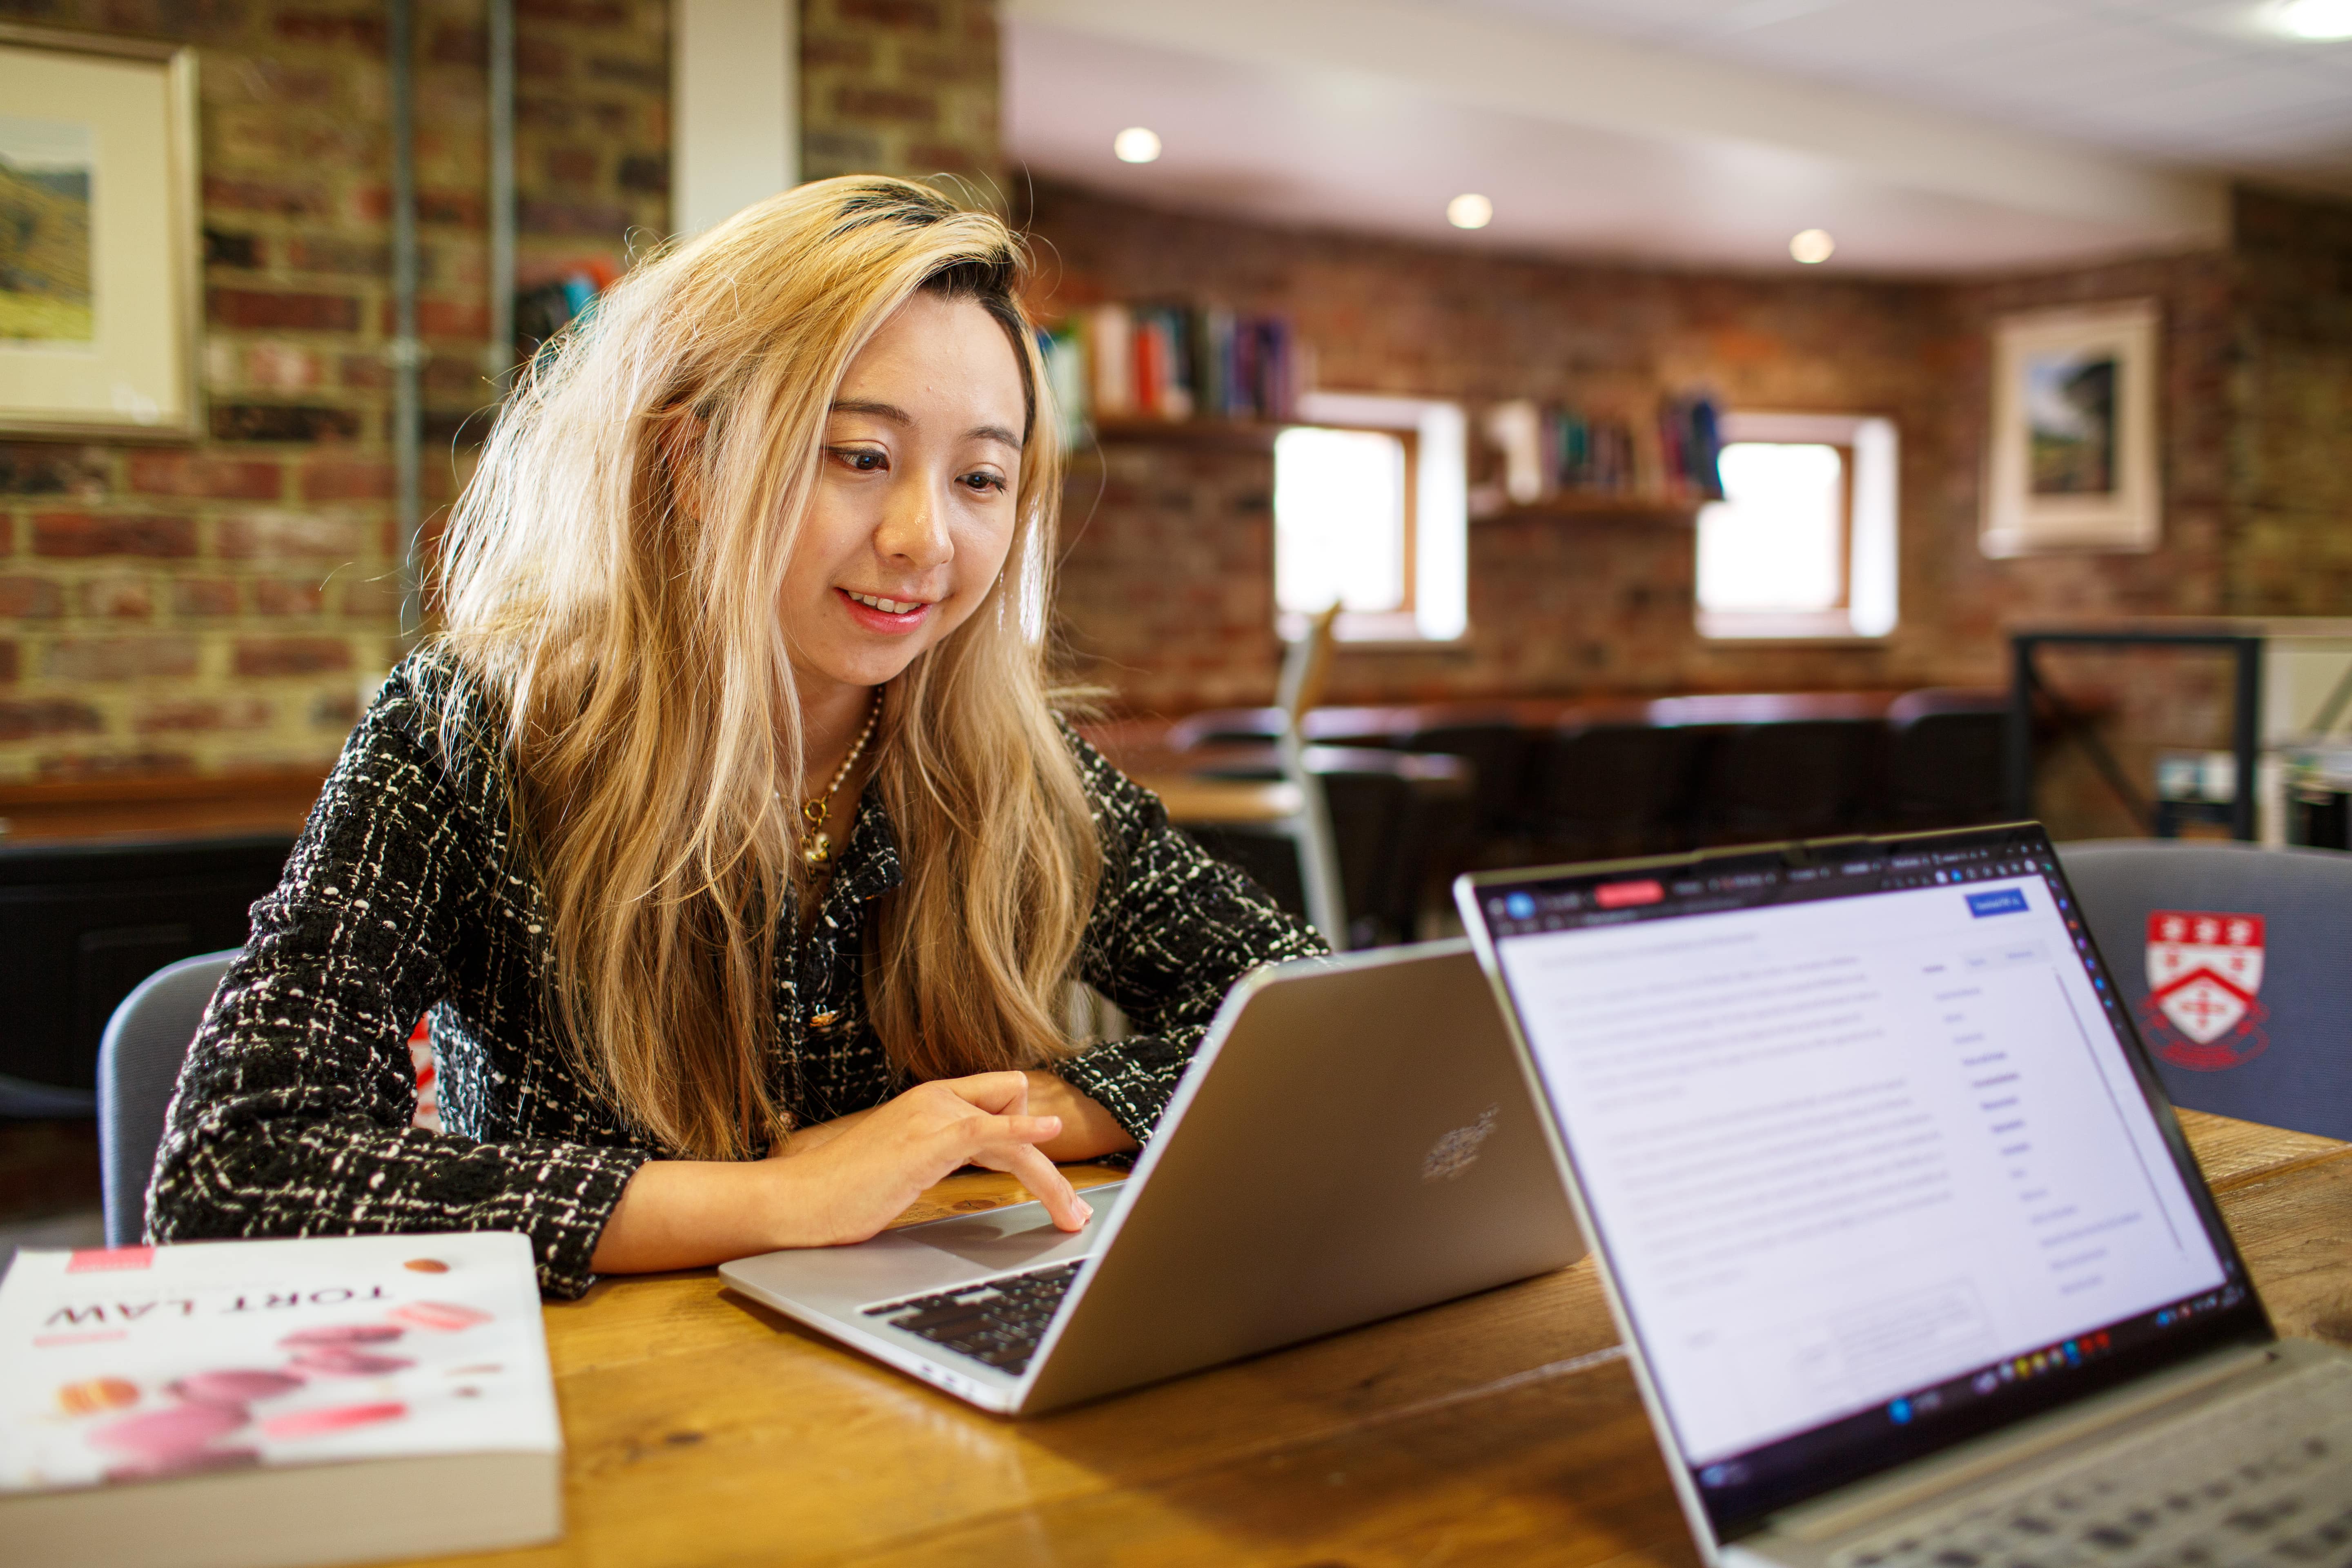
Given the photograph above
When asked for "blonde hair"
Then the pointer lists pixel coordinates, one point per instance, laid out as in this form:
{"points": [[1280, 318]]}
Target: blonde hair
{"points": [[645, 669]]}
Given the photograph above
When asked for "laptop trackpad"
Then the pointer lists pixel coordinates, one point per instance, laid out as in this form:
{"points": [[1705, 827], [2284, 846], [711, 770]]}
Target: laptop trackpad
{"points": [[1007, 1238]]}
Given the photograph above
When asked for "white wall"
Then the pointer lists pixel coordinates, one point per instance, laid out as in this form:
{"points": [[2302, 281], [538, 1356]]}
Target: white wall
{"points": [[734, 107]]}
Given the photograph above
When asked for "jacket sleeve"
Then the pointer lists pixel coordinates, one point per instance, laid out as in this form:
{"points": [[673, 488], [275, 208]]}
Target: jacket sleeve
{"points": [[1172, 929], [292, 1115]]}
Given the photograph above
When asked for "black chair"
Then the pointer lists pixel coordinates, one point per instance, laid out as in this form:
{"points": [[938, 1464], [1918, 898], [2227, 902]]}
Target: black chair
{"points": [[1397, 821], [1499, 754], [1805, 778], [82, 924], [1944, 756], [1599, 792]]}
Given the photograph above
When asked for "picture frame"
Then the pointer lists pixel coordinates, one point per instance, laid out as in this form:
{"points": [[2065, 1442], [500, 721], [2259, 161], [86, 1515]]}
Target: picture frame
{"points": [[101, 307], [2070, 463]]}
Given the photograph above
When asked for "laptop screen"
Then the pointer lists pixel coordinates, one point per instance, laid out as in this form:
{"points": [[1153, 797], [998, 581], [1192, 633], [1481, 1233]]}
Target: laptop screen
{"points": [[1868, 1142]]}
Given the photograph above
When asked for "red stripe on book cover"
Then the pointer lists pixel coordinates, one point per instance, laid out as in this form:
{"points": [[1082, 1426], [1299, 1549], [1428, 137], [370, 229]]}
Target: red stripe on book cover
{"points": [[99, 1259]]}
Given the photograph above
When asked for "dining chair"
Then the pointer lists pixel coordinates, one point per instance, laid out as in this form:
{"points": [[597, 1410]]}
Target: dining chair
{"points": [[139, 1059]]}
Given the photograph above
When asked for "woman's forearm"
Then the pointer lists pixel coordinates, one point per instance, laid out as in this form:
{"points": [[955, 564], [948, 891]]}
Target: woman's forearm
{"points": [[1089, 1131], [692, 1214]]}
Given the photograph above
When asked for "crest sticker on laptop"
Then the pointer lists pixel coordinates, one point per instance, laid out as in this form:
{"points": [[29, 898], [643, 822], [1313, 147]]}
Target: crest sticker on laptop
{"points": [[2204, 971]]}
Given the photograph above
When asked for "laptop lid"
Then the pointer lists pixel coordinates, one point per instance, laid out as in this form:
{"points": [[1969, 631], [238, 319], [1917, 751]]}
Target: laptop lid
{"points": [[1870, 1152]]}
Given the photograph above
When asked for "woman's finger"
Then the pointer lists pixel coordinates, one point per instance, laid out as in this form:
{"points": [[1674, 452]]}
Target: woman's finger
{"points": [[999, 1093], [1049, 1186]]}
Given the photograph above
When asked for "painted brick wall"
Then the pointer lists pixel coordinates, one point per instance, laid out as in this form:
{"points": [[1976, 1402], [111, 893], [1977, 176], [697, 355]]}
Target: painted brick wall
{"points": [[169, 609], [1593, 605], [901, 87]]}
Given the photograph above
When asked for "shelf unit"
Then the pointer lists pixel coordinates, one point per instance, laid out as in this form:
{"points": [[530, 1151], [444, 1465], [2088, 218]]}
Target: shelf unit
{"points": [[1236, 434], [1573, 507]]}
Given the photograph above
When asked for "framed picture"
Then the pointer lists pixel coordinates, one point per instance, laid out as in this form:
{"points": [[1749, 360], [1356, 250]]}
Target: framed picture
{"points": [[100, 275], [2072, 465]]}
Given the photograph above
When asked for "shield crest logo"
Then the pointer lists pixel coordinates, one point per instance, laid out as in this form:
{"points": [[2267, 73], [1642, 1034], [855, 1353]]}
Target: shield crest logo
{"points": [[2204, 974]]}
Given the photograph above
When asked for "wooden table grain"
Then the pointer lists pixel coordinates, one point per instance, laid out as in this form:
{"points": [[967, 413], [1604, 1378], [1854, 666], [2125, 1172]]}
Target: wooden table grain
{"points": [[704, 1429]]}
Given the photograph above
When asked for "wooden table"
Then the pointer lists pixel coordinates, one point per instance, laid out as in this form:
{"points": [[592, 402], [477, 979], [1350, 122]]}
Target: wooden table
{"points": [[1502, 1429]]}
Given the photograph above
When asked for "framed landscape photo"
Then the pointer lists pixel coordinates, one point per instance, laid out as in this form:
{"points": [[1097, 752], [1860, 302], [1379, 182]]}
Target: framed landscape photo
{"points": [[100, 282], [2072, 462]]}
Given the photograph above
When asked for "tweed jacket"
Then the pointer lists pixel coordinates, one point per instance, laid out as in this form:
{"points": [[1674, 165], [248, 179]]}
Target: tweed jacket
{"points": [[404, 895]]}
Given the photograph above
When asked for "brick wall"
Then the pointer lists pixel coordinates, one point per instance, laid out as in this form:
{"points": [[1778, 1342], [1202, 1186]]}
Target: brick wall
{"points": [[1592, 605], [167, 609], [901, 87]]}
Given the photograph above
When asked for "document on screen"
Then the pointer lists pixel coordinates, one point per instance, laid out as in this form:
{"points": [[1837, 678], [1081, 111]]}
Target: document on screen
{"points": [[1840, 1149]]}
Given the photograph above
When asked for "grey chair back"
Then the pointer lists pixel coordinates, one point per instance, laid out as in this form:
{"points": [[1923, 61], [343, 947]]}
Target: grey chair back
{"points": [[139, 1059], [2236, 963]]}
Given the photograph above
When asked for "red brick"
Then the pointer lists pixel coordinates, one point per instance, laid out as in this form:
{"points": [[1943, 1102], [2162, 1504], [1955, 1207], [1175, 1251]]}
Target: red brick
{"points": [[365, 373], [331, 29], [119, 598], [45, 468], [7, 534], [267, 197], [604, 221], [216, 479], [259, 656], [571, 165], [191, 714], [288, 596], [204, 597], [819, 50], [335, 711], [30, 599], [463, 208], [358, 259], [73, 534], [899, 16], [886, 104], [118, 658], [255, 311], [352, 479], [285, 535], [447, 319], [540, 59], [8, 662], [375, 595], [21, 721], [303, 423]]}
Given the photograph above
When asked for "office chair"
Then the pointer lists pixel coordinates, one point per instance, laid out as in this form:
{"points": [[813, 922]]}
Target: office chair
{"points": [[138, 1067], [2248, 1016]]}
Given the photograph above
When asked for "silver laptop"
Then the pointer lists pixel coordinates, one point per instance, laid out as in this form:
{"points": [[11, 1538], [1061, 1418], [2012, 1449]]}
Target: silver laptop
{"points": [[1353, 1139], [1910, 1258]]}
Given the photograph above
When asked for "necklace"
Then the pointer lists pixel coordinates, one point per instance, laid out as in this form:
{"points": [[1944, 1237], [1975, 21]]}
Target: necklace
{"points": [[817, 853]]}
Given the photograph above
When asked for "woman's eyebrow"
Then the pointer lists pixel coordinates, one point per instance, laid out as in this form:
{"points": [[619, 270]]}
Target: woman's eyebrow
{"points": [[889, 411], [994, 433]]}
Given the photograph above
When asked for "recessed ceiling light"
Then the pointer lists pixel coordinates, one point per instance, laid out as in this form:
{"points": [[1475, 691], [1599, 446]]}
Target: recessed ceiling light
{"points": [[2313, 19], [1470, 210], [1812, 246], [1136, 145]]}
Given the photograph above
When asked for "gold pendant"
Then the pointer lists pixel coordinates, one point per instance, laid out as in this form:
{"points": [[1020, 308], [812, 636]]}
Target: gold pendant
{"points": [[818, 852]]}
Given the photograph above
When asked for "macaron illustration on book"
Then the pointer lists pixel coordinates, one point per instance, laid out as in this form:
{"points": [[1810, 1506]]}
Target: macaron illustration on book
{"points": [[342, 1399]]}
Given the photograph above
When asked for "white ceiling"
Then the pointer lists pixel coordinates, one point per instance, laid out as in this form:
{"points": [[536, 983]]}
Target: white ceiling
{"points": [[2195, 80], [1691, 131]]}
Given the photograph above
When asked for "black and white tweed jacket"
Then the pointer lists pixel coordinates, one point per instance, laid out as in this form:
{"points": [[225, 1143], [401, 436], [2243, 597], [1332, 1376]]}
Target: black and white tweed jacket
{"points": [[293, 1112]]}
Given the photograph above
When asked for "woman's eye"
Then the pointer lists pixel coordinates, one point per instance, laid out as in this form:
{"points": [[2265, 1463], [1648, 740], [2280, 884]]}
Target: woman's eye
{"points": [[984, 483], [861, 459]]}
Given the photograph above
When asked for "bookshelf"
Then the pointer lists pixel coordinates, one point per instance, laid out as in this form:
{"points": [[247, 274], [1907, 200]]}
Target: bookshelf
{"points": [[1230, 435], [1596, 508]]}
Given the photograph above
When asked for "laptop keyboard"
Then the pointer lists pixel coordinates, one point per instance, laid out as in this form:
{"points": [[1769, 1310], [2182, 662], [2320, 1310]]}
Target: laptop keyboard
{"points": [[2264, 1478], [997, 1323]]}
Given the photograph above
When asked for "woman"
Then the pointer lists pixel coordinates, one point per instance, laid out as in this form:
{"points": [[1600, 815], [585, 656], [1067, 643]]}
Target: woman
{"points": [[726, 830]]}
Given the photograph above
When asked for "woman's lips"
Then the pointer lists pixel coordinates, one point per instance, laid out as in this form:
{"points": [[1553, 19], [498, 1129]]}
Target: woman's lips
{"points": [[874, 620]]}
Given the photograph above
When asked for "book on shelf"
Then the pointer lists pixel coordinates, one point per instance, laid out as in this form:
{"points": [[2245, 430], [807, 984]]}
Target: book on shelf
{"points": [[250, 1404], [1563, 457], [1119, 362]]}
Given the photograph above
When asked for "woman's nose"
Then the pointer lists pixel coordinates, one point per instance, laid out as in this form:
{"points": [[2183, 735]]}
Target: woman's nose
{"points": [[914, 527]]}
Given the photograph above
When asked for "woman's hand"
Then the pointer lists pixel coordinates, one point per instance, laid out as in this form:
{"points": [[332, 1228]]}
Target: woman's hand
{"points": [[841, 1182], [864, 1175]]}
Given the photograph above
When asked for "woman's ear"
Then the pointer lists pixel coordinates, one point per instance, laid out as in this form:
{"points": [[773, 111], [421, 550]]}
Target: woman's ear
{"points": [[680, 443]]}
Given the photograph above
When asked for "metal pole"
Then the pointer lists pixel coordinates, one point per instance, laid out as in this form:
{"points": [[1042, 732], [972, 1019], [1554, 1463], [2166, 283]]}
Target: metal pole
{"points": [[2020, 759], [405, 354], [498, 358], [2246, 724]]}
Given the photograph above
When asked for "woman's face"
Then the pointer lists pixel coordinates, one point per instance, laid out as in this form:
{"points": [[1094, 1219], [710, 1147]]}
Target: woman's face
{"points": [[914, 504]]}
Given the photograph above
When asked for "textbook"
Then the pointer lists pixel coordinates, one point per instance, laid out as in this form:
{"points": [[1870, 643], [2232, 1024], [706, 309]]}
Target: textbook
{"points": [[257, 1404]]}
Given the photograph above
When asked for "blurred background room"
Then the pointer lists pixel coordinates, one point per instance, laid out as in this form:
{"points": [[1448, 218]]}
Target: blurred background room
{"points": [[1712, 420]]}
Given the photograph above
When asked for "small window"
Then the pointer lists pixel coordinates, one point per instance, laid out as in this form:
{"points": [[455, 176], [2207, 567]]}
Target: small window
{"points": [[1371, 509], [1342, 522], [1802, 545]]}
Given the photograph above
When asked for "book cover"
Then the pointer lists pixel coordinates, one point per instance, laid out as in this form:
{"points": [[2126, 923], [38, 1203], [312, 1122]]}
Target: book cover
{"points": [[136, 1364]]}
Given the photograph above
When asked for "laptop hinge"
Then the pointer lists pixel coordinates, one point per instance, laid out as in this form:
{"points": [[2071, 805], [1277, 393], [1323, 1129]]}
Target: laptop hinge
{"points": [[1866, 1502]]}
